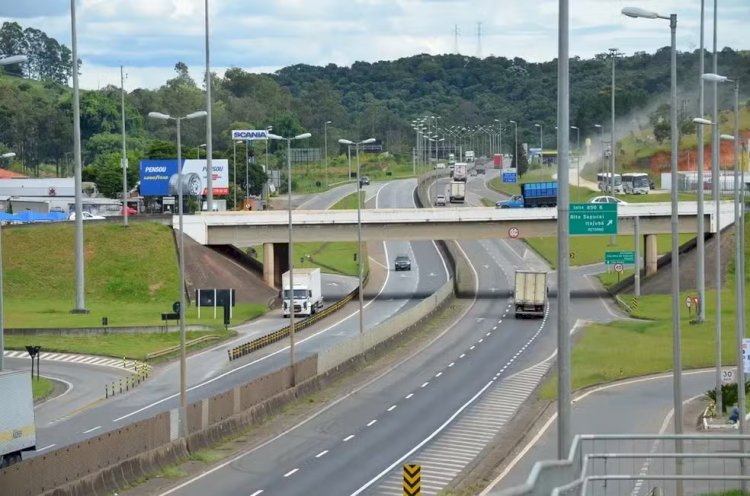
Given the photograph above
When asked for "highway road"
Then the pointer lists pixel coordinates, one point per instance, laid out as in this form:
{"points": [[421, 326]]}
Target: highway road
{"points": [[641, 406], [357, 445], [209, 372]]}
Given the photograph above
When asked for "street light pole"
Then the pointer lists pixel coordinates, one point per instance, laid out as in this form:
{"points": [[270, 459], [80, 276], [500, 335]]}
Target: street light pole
{"points": [[290, 251], [716, 173], [124, 160], [541, 143], [515, 145], [234, 164], [79, 265], [675, 262], [700, 281], [325, 138], [563, 235], [209, 138], [181, 238]]}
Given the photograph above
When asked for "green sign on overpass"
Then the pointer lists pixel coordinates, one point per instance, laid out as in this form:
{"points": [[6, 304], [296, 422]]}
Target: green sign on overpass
{"points": [[593, 218]]}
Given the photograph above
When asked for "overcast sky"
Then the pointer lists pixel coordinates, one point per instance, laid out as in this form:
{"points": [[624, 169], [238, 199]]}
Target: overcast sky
{"points": [[149, 36]]}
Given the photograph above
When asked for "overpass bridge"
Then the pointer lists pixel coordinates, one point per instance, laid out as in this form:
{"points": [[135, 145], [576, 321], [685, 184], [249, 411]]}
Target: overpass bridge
{"points": [[271, 228]]}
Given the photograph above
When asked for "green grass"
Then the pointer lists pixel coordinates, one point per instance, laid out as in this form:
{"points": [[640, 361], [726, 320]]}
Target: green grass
{"points": [[587, 250], [132, 346], [311, 178], [41, 388], [332, 257], [609, 278]]}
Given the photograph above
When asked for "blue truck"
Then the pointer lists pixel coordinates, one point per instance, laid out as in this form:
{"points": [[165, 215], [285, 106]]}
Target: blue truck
{"points": [[541, 194]]}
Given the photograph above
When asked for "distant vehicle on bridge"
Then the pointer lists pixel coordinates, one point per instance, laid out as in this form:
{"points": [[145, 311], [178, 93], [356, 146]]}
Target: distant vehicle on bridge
{"points": [[541, 194]]}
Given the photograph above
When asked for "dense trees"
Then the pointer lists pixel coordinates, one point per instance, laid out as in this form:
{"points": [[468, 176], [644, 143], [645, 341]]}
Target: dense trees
{"points": [[365, 100]]}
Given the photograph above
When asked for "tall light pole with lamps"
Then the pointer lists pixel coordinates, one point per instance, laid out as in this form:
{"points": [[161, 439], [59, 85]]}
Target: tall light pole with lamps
{"points": [[198, 150], [124, 158], [541, 143], [359, 232], [290, 252], [79, 259], [676, 338], [325, 139], [209, 137], [515, 145], [183, 354], [2, 296]]}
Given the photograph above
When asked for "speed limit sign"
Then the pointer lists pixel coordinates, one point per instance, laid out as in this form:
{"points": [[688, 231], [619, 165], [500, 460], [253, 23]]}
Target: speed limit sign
{"points": [[513, 232], [619, 267], [727, 376]]}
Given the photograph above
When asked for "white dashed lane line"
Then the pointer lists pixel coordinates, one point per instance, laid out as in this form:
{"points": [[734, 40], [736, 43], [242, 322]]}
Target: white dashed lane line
{"points": [[409, 395], [372, 422], [438, 374], [393, 407], [291, 472], [425, 384], [322, 453], [349, 437]]}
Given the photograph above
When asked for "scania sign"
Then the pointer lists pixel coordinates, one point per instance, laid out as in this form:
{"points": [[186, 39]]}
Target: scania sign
{"points": [[249, 134]]}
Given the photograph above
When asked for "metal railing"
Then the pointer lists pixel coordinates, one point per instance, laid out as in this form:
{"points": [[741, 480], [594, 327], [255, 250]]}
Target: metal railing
{"points": [[642, 465]]}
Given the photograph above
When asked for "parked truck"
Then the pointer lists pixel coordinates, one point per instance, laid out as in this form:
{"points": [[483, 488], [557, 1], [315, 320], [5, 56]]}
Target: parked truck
{"points": [[459, 171], [17, 428], [542, 194], [530, 293], [457, 192], [308, 294], [470, 157]]}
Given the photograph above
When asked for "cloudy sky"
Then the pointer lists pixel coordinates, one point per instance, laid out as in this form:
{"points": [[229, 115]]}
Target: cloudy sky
{"points": [[149, 36]]}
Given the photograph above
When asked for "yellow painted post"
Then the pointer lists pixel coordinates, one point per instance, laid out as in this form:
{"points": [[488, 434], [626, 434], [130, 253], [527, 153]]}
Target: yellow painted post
{"points": [[412, 479]]}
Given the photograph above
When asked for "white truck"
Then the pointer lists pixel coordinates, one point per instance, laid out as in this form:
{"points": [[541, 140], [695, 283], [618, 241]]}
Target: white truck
{"points": [[470, 157], [530, 293], [457, 192], [451, 158], [17, 428], [308, 293], [459, 171]]}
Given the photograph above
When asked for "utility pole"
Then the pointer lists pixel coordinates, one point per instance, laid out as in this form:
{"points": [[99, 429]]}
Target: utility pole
{"points": [[479, 40], [613, 53], [209, 141], [455, 39], [124, 161]]}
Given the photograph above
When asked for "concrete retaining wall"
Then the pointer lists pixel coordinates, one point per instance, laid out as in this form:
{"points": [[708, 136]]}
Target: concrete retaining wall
{"points": [[346, 351]]}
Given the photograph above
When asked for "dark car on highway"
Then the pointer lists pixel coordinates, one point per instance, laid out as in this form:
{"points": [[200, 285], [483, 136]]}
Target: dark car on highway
{"points": [[403, 263], [364, 181]]}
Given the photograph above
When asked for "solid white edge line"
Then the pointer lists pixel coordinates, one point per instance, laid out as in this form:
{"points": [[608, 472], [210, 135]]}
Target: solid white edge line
{"points": [[93, 429], [45, 448], [69, 388]]}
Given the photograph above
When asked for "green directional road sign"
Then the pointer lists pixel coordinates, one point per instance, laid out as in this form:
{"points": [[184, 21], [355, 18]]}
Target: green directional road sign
{"points": [[619, 257], [593, 218]]}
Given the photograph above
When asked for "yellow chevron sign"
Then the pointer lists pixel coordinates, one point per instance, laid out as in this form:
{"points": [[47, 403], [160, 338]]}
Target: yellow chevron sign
{"points": [[412, 479]]}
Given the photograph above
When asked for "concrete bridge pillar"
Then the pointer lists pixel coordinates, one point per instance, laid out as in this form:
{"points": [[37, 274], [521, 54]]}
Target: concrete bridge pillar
{"points": [[651, 254], [268, 264]]}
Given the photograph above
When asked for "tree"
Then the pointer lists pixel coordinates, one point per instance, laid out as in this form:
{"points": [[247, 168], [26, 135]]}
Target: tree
{"points": [[520, 161]]}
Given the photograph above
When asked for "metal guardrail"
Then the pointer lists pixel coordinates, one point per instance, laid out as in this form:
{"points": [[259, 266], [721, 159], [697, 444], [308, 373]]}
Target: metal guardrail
{"points": [[258, 343], [638, 465], [172, 349]]}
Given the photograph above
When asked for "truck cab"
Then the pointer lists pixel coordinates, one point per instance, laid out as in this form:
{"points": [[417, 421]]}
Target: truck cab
{"points": [[307, 296], [515, 201]]}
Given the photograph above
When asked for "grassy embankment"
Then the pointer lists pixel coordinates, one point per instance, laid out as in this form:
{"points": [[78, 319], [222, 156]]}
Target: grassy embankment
{"points": [[332, 257], [629, 348], [312, 178], [131, 277], [41, 388]]}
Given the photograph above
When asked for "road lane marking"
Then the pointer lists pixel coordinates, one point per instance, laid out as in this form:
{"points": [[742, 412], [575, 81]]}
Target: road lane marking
{"points": [[480, 340], [256, 493], [93, 429], [291, 472], [322, 453], [372, 422], [472, 347], [393, 407], [462, 355], [349, 437], [409, 395], [46, 448], [425, 384], [451, 364], [438, 374]]}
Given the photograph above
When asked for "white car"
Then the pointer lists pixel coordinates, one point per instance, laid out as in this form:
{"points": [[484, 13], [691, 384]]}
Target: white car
{"points": [[86, 216], [607, 199]]}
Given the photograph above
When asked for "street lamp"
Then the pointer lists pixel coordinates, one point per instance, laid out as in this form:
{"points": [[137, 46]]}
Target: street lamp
{"points": [[290, 251], [541, 142], [183, 362], [209, 120], [198, 150], [676, 340], [325, 138], [124, 159], [578, 159], [359, 231], [515, 149], [80, 307]]}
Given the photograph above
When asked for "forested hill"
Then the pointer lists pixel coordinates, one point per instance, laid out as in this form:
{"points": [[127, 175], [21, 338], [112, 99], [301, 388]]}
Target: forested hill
{"points": [[365, 100]]}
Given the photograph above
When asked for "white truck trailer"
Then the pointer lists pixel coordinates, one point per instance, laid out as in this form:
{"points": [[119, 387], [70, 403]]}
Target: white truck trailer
{"points": [[308, 292], [457, 192], [530, 293], [459, 171], [17, 428]]}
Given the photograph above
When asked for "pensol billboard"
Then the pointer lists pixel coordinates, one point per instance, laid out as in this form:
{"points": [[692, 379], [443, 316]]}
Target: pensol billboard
{"points": [[159, 177]]}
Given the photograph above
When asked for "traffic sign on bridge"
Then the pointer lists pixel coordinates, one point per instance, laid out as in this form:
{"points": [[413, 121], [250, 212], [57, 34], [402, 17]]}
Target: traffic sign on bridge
{"points": [[619, 257], [593, 218]]}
